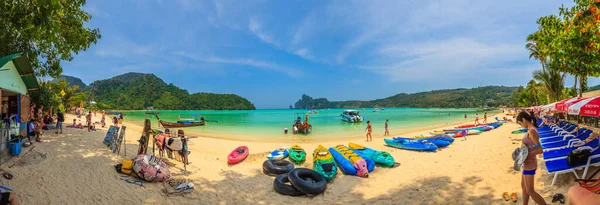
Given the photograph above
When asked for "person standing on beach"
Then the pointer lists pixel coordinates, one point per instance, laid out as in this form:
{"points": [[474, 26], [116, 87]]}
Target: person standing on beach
{"points": [[369, 129], [387, 131], [103, 120], [88, 119], [484, 117], [120, 118], [60, 118], [532, 141], [465, 116], [477, 118]]}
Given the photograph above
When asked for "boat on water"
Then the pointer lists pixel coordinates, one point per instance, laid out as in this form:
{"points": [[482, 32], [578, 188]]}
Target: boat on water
{"points": [[376, 110], [302, 127], [313, 112], [351, 116], [182, 122]]}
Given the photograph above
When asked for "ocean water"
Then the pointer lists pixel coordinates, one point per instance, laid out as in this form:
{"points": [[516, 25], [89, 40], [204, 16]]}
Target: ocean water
{"points": [[269, 124]]}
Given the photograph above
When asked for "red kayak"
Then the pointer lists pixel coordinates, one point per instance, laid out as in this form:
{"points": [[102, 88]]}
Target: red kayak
{"points": [[466, 126], [238, 155]]}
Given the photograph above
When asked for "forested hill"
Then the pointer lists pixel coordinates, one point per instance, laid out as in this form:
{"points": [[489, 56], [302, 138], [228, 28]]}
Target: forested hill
{"points": [[138, 91], [73, 81], [491, 96]]}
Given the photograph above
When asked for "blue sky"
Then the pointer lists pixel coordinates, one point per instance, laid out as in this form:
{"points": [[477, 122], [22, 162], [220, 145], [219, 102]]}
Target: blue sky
{"points": [[272, 52]]}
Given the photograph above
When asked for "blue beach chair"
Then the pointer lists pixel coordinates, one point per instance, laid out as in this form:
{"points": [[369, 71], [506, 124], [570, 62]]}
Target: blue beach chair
{"points": [[583, 134], [564, 151], [560, 166]]}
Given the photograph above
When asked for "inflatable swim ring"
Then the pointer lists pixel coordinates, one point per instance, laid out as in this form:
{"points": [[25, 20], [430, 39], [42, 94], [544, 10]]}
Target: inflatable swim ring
{"points": [[150, 168]]}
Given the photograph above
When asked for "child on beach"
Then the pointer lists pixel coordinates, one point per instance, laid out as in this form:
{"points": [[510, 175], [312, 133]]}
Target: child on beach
{"points": [[387, 132], [369, 129], [88, 120]]}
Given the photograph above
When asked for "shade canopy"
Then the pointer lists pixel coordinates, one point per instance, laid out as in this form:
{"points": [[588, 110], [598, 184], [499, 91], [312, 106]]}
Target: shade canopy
{"points": [[587, 107], [17, 66]]}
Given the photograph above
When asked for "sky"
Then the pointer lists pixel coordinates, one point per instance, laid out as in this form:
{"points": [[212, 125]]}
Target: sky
{"points": [[272, 52]]}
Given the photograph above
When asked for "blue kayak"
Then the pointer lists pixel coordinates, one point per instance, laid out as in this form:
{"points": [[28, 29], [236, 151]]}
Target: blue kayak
{"points": [[445, 137], [411, 145], [435, 141], [350, 162]]}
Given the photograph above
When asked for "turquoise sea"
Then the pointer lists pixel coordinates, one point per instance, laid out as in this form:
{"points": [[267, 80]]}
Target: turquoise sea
{"points": [[269, 124]]}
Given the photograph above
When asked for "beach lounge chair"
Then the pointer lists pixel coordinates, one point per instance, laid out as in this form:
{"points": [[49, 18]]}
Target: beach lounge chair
{"points": [[564, 151], [560, 166], [554, 126], [555, 129], [581, 134], [568, 130]]}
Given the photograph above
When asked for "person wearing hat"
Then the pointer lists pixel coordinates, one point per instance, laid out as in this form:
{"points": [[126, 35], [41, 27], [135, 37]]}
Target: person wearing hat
{"points": [[531, 145]]}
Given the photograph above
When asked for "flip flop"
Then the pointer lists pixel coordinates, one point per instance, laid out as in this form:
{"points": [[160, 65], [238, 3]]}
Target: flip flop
{"points": [[513, 196], [505, 196], [7, 175], [558, 197]]}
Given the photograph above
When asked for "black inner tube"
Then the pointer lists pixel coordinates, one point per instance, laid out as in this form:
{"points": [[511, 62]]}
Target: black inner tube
{"points": [[281, 186], [277, 167], [308, 181]]}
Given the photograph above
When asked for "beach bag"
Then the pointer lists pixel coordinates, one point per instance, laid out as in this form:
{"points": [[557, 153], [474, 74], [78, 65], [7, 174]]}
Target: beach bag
{"points": [[127, 167], [578, 157], [590, 184]]}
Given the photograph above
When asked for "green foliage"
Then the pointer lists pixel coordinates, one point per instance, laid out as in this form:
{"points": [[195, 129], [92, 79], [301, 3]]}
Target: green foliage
{"points": [[137, 91], [552, 81], [49, 95], [48, 31], [531, 95], [456, 98], [71, 81], [44, 96]]}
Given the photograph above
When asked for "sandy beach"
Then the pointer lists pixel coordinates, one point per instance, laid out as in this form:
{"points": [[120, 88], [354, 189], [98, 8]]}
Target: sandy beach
{"points": [[78, 169]]}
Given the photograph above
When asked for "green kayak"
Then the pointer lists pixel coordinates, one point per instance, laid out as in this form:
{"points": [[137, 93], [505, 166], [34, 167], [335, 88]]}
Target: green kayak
{"points": [[297, 154]]}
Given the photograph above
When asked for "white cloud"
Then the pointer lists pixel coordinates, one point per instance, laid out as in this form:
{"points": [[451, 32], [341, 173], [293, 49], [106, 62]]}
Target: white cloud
{"points": [[245, 62], [256, 28]]}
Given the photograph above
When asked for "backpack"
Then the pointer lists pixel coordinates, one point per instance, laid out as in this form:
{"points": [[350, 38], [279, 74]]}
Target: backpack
{"points": [[578, 157], [125, 167]]}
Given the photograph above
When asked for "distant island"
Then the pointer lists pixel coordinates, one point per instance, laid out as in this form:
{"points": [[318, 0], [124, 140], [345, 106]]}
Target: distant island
{"points": [[138, 91], [491, 96]]}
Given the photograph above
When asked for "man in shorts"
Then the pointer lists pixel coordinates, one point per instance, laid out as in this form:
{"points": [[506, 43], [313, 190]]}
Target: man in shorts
{"points": [[59, 121]]}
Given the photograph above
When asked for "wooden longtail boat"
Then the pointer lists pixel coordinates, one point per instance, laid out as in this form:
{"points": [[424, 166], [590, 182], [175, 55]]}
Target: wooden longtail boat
{"points": [[179, 123]]}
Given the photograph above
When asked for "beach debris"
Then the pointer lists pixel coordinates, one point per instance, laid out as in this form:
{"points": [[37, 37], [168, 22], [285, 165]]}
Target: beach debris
{"points": [[177, 187]]}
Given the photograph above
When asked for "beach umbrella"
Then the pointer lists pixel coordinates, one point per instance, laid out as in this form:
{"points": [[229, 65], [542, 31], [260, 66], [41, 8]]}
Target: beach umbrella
{"points": [[560, 104], [587, 107], [550, 107], [565, 107]]}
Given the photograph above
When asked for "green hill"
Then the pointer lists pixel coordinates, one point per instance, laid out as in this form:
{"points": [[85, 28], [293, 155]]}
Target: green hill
{"points": [[491, 96], [73, 81], [138, 91]]}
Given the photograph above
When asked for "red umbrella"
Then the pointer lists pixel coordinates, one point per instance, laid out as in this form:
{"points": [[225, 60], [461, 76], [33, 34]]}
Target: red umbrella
{"points": [[566, 105], [560, 106], [591, 108]]}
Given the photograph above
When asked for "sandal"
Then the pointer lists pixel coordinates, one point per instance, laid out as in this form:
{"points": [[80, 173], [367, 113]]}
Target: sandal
{"points": [[505, 196], [513, 196], [7, 175], [558, 197]]}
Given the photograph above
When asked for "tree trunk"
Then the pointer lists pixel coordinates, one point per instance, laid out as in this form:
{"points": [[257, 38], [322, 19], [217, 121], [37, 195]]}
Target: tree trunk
{"points": [[543, 66], [581, 85], [575, 86]]}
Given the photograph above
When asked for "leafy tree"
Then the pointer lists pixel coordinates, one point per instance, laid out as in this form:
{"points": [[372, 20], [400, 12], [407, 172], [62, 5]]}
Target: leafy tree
{"points": [[552, 80], [48, 31]]}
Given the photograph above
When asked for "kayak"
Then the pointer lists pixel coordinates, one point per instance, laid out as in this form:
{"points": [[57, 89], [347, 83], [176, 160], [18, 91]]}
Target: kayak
{"points": [[324, 163], [444, 137], [466, 126], [350, 162], [435, 141], [473, 132], [520, 131], [297, 154], [238, 154], [411, 145], [278, 154], [381, 158]]}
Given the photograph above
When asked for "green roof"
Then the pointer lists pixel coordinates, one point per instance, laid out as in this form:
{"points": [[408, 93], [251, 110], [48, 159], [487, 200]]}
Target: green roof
{"points": [[24, 68]]}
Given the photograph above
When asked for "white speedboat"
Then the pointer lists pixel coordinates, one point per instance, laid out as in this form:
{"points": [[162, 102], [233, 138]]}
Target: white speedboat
{"points": [[351, 116], [376, 110]]}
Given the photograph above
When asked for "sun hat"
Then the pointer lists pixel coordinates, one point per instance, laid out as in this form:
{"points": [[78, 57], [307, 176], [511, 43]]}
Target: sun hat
{"points": [[519, 156]]}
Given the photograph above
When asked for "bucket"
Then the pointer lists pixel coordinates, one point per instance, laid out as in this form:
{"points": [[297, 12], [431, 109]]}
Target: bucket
{"points": [[15, 148]]}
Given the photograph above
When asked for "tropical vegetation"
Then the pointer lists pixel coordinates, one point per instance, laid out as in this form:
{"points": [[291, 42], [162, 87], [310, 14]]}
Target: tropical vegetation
{"points": [[491, 96], [567, 44]]}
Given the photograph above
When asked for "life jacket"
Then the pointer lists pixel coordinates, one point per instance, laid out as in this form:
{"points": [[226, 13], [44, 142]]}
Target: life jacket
{"points": [[125, 167]]}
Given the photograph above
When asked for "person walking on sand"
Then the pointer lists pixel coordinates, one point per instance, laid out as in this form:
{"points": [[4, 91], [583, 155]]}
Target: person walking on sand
{"points": [[88, 119], [477, 118], [369, 129], [484, 117], [387, 131], [532, 141], [465, 116], [103, 120], [60, 118]]}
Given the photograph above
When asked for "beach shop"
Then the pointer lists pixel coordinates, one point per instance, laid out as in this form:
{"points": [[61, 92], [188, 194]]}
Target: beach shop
{"points": [[17, 78]]}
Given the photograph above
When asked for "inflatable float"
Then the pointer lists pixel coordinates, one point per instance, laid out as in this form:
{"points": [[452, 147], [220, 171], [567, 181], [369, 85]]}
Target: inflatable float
{"points": [[297, 154], [350, 162], [277, 167], [238, 155], [278, 154], [150, 168], [324, 163], [382, 158], [307, 181], [411, 144]]}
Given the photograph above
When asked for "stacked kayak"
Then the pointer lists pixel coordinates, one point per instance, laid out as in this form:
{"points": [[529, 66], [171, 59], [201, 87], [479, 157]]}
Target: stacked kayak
{"points": [[324, 163], [519, 131], [279, 154], [411, 144], [297, 154], [438, 142], [382, 158], [351, 162]]}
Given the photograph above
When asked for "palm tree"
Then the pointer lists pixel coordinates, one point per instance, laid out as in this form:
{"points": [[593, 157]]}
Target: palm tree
{"points": [[552, 80], [534, 49]]}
